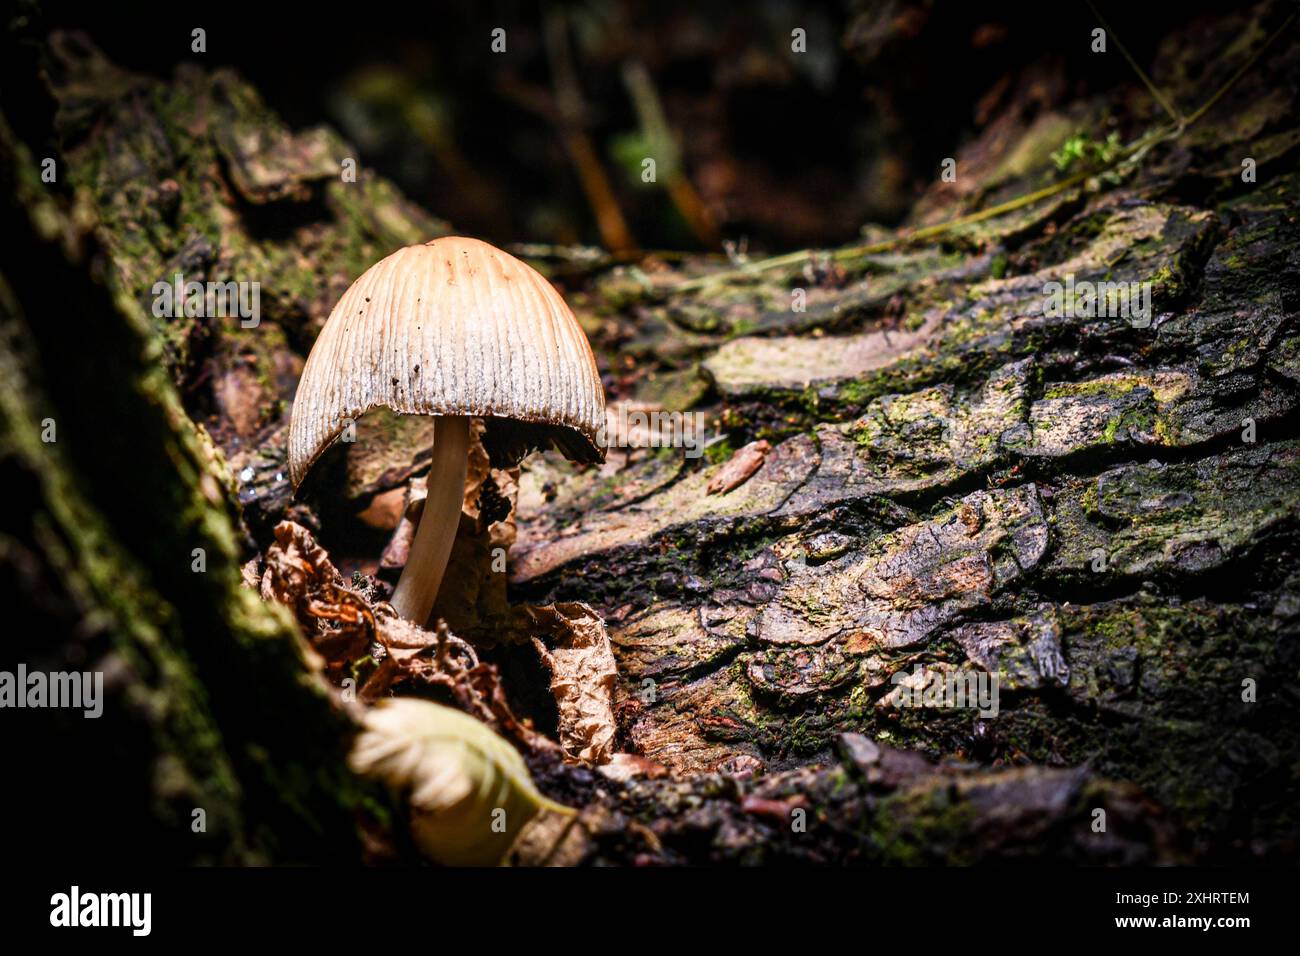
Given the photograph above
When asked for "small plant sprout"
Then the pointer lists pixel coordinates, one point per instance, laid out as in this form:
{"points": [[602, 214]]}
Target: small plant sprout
{"points": [[454, 328]]}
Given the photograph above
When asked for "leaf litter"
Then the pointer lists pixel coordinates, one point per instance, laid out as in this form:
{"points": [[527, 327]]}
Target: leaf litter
{"points": [[444, 764]]}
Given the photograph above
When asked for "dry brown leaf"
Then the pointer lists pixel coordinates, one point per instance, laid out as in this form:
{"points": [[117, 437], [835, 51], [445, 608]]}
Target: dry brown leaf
{"points": [[250, 576], [573, 644], [343, 627], [739, 467], [338, 622], [441, 659]]}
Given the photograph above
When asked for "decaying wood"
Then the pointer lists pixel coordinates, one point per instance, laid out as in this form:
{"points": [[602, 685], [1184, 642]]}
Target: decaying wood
{"points": [[1099, 512]]}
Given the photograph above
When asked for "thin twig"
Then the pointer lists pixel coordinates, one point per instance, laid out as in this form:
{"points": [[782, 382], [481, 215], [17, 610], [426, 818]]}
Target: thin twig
{"points": [[657, 132], [1131, 151], [884, 245], [1245, 67], [571, 117], [1151, 87]]}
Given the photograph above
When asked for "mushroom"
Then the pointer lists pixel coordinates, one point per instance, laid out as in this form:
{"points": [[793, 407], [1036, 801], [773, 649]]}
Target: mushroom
{"points": [[454, 328]]}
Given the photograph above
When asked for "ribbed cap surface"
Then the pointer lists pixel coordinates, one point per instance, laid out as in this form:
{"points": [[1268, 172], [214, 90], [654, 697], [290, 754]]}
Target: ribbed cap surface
{"points": [[452, 327]]}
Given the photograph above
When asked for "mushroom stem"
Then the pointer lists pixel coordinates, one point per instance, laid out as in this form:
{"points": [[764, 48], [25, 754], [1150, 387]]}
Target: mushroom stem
{"points": [[417, 588]]}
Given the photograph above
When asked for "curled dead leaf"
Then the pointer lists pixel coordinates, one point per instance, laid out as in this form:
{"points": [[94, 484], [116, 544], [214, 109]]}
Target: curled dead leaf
{"points": [[572, 642], [249, 574], [338, 622], [778, 811], [739, 468]]}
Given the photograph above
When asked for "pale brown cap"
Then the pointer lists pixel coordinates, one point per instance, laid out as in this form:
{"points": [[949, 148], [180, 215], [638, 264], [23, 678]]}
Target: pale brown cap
{"points": [[453, 327]]}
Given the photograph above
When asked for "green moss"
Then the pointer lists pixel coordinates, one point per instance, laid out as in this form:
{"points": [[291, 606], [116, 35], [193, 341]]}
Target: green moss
{"points": [[719, 452], [924, 825], [1109, 387]]}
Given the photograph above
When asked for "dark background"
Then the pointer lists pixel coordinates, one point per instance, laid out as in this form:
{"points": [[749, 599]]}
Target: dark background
{"points": [[784, 150]]}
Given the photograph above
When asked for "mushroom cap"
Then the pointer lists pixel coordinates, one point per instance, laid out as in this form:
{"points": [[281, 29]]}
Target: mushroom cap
{"points": [[453, 327]]}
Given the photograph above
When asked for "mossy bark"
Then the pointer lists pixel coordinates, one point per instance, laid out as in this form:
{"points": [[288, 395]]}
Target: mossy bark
{"points": [[1102, 512], [218, 744]]}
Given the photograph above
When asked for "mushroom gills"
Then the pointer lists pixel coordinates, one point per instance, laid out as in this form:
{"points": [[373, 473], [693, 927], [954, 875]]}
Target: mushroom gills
{"points": [[417, 588]]}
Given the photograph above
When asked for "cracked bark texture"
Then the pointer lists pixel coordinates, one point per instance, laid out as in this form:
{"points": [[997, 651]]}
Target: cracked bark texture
{"points": [[956, 479]]}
